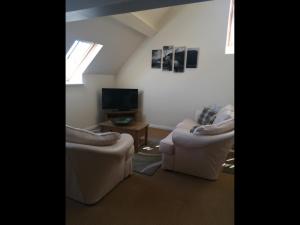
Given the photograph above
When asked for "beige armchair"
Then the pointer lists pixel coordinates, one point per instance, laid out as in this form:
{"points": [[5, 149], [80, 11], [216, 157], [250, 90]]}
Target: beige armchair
{"points": [[92, 171], [198, 154], [201, 156]]}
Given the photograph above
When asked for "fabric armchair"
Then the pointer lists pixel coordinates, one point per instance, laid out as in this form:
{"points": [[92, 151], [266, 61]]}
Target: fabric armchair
{"points": [[203, 151], [93, 171], [201, 156]]}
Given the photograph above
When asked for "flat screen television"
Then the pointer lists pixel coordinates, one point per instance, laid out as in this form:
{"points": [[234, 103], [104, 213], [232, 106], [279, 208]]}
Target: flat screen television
{"points": [[121, 99]]}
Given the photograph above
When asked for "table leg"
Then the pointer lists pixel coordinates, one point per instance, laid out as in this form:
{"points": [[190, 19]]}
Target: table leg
{"points": [[146, 135], [136, 141]]}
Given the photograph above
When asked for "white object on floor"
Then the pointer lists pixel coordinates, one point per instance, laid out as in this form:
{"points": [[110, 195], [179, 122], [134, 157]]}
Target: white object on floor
{"points": [[147, 148]]}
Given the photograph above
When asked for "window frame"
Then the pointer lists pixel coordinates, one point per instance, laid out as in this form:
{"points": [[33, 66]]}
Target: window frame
{"points": [[74, 70], [229, 48]]}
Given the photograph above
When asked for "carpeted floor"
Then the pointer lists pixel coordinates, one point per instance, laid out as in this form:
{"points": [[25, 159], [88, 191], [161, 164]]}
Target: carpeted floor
{"points": [[148, 159], [146, 164], [228, 166], [166, 198]]}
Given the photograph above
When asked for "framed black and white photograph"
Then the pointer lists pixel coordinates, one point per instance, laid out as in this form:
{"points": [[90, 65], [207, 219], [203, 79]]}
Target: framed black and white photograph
{"points": [[179, 59], [168, 58], [192, 57], [156, 58]]}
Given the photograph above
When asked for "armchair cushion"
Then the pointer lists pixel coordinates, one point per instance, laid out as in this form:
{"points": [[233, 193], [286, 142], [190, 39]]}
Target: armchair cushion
{"points": [[225, 113], [218, 128], [82, 136], [207, 116]]}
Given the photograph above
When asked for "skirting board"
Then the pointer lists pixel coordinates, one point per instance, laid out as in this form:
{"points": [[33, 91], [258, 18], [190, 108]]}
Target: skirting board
{"points": [[163, 127], [150, 125]]}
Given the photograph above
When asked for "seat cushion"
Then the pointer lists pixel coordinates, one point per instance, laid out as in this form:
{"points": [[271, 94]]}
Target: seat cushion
{"points": [[214, 129], [187, 124], [82, 136]]}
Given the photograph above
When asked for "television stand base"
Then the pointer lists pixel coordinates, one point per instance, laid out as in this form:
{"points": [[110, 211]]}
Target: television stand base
{"points": [[119, 116], [122, 120]]}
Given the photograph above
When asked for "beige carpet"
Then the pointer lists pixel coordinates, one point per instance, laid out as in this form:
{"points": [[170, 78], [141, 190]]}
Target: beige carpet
{"points": [[166, 198]]}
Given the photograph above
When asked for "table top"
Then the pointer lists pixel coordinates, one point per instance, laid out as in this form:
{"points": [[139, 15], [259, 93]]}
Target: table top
{"points": [[136, 125]]}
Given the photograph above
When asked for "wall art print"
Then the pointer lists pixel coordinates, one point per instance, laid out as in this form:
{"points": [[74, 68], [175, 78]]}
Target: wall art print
{"points": [[179, 59], [156, 58], [192, 57], [168, 58]]}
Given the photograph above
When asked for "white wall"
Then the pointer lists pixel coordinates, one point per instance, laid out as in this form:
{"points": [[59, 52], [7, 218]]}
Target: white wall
{"points": [[83, 107], [170, 97]]}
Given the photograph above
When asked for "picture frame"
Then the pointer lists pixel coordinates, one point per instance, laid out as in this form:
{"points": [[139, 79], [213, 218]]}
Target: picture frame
{"points": [[179, 59], [168, 52], [156, 59], [192, 57]]}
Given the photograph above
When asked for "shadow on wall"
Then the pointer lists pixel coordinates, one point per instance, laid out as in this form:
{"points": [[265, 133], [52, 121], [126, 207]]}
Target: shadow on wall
{"points": [[140, 113], [100, 114]]}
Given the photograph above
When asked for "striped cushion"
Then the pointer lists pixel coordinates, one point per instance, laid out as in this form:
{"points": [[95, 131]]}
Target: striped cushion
{"points": [[207, 116]]}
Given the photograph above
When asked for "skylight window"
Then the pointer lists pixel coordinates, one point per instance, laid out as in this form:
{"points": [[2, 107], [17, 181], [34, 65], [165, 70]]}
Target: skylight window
{"points": [[230, 30], [78, 58]]}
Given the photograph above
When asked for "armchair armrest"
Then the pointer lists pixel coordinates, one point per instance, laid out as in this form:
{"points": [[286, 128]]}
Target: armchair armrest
{"points": [[120, 149], [189, 140], [94, 170]]}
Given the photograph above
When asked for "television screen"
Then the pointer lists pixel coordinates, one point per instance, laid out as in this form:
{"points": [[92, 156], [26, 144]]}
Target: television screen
{"points": [[119, 98]]}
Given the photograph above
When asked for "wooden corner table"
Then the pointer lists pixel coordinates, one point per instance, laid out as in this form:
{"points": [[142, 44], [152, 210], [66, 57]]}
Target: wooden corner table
{"points": [[138, 130]]}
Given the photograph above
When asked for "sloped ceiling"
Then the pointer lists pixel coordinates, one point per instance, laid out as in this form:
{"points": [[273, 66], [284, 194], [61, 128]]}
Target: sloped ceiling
{"points": [[120, 36], [153, 16], [118, 41], [147, 22]]}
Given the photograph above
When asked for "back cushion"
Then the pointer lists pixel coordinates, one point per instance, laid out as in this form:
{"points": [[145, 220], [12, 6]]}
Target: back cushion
{"points": [[207, 116], [82, 136], [198, 112], [214, 129], [225, 113]]}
